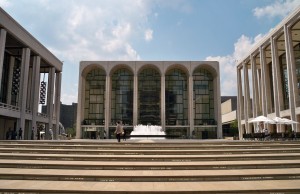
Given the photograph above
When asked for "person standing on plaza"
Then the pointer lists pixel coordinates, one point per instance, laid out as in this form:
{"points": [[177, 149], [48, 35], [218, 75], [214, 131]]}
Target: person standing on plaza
{"points": [[119, 130], [20, 133]]}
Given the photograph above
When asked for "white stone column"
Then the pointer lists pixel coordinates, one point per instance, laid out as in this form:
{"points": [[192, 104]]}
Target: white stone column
{"points": [[260, 89], [10, 79], [292, 77], [29, 89], [57, 104], [217, 104], [191, 104], [50, 96], [135, 100], [239, 102], [80, 105], [277, 80], [276, 75], [107, 103], [163, 103], [23, 88], [263, 85], [36, 92], [246, 96], [2, 50], [255, 100]]}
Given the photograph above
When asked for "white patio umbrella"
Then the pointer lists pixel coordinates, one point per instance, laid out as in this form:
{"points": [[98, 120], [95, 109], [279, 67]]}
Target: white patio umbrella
{"points": [[283, 121], [286, 121], [279, 120], [261, 119]]}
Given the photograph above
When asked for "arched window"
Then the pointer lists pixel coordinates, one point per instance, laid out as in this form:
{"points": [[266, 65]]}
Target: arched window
{"points": [[176, 97], [122, 96], [94, 107], [203, 98], [149, 97]]}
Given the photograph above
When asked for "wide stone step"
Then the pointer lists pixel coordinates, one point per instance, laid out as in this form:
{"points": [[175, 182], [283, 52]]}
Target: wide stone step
{"points": [[147, 146], [159, 143], [36, 186], [149, 176], [151, 158], [133, 165], [150, 152]]}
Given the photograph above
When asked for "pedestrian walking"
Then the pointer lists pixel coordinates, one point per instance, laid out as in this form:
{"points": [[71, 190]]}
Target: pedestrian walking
{"points": [[119, 130]]}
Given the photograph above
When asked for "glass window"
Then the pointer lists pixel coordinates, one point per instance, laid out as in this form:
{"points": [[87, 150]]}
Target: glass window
{"points": [[122, 97], [203, 98], [176, 97], [149, 97], [95, 97]]}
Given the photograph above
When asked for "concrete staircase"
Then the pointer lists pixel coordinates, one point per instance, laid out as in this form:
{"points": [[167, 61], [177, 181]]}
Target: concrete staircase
{"points": [[149, 166]]}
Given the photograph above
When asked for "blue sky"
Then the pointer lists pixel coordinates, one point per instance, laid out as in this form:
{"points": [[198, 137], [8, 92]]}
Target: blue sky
{"points": [[76, 30]]}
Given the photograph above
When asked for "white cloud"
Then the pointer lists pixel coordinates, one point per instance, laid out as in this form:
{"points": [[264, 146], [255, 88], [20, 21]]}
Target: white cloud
{"points": [[278, 8], [69, 98], [4, 3], [85, 30], [148, 35], [228, 63]]}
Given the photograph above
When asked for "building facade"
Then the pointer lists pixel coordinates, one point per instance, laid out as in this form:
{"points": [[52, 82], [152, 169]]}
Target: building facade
{"points": [[229, 116], [183, 97], [68, 114], [269, 78], [24, 62]]}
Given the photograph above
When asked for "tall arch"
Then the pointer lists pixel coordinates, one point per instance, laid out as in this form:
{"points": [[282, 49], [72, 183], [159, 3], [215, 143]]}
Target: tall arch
{"points": [[204, 103], [94, 100], [149, 92], [122, 95], [176, 92]]}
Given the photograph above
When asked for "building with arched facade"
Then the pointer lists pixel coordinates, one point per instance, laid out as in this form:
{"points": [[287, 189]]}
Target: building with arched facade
{"points": [[181, 96], [269, 79], [24, 63]]}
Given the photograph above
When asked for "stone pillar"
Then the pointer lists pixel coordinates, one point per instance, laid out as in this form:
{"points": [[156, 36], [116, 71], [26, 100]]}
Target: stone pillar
{"points": [[36, 92], [2, 50], [50, 95], [57, 104], [217, 103], [80, 105], [276, 76], [107, 104], [239, 102], [135, 100], [255, 100], [246, 96], [263, 85], [292, 77], [163, 103], [191, 104], [255, 91], [23, 88], [10, 79], [277, 81]]}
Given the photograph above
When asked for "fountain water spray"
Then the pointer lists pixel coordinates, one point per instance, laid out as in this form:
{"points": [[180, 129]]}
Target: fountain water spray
{"points": [[148, 130]]}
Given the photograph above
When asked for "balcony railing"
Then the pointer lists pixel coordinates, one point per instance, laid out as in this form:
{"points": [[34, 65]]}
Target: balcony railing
{"points": [[42, 115], [9, 107]]}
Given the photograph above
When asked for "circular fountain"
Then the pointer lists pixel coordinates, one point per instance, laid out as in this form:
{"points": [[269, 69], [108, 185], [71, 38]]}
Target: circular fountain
{"points": [[147, 130]]}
